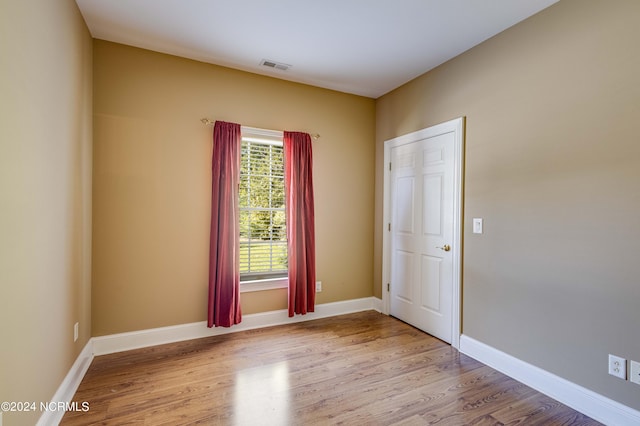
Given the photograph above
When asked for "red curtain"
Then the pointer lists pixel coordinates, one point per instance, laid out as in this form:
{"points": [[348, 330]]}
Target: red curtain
{"points": [[224, 246], [299, 215]]}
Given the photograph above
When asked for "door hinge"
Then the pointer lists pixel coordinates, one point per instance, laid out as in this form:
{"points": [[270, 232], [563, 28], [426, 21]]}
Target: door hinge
{"points": [[388, 287], [389, 227], [389, 166]]}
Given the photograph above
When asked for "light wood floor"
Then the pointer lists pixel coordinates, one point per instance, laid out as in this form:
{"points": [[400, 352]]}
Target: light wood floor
{"points": [[357, 369]]}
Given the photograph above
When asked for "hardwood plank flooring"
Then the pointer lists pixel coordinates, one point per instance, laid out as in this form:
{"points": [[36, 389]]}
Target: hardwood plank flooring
{"points": [[358, 369]]}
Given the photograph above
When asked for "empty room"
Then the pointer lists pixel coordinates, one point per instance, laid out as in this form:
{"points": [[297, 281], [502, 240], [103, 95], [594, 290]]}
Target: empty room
{"points": [[303, 212]]}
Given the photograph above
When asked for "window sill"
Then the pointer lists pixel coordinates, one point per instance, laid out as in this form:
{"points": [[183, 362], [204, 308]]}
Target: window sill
{"points": [[261, 285]]}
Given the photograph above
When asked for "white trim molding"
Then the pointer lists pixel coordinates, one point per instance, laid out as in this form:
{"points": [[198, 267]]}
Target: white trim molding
{"points": [[69, 385], [261, 285], [377, 306], [590, 403], [103, 345]]}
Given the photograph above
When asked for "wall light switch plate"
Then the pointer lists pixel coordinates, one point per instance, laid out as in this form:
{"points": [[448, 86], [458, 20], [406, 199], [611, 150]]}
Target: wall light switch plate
{"points": [[618, 367], [477, 225], [634, 373], [318, 286]]}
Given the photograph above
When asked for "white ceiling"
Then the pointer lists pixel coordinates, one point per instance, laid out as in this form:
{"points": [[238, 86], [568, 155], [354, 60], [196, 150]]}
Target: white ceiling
{"points": [[364, 47]]}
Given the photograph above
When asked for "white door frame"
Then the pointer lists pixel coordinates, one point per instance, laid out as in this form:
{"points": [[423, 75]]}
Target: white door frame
{"points": [[457, 126]]}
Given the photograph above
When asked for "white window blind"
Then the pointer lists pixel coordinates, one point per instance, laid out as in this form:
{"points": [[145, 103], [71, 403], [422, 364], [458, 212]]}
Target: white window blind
{"points": [[263, 241]]}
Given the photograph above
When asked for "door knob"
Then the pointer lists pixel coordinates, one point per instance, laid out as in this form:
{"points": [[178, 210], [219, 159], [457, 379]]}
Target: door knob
{"points": [[446, 247]]}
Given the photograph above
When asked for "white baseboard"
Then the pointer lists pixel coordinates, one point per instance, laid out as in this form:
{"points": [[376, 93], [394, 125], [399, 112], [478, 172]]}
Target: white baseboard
{"points": [[103, 345], [69, 385], [377, 305], [590, 403]]}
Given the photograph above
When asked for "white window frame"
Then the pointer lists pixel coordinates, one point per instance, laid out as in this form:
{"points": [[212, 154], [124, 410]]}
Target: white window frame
{"points": [[273, 137]]}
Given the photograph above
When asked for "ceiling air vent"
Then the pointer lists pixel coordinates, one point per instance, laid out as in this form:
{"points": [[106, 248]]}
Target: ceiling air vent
{"points": [[275, 65]]}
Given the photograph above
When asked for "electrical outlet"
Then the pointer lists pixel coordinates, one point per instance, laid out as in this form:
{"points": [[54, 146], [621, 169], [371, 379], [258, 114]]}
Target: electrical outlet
{"points": [[634, 373], [318, 286], [618, 366], [75, 331]]}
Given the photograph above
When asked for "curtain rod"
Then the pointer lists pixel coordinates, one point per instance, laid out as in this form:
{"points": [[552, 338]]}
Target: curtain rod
{"points": [[208, 122]]}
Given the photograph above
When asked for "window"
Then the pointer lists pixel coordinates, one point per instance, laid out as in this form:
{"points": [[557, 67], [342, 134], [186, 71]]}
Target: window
{"points": [[263, 240]]}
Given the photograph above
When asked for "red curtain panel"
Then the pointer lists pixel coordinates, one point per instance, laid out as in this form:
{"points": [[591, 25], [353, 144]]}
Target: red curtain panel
{"points": [[224, 247], [300, 222]]}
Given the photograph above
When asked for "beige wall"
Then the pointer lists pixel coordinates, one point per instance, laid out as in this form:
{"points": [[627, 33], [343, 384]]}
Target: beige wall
{"points": [[152, 183], [45, 197], [553, 167]]}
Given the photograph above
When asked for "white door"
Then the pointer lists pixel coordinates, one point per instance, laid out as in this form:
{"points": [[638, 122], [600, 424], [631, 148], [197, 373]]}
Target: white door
{"points": [[422, 188]]}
